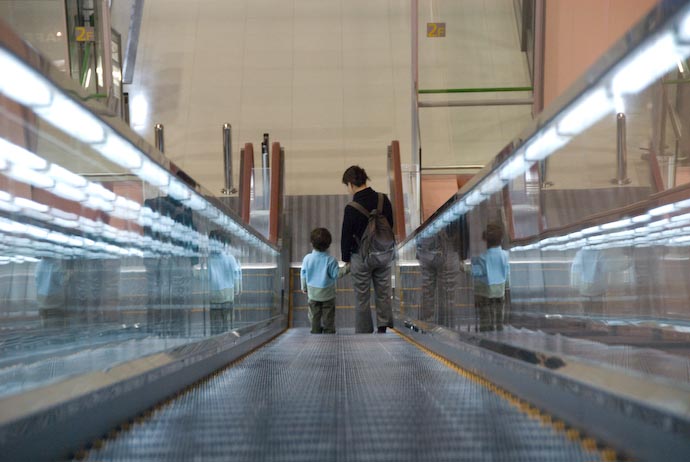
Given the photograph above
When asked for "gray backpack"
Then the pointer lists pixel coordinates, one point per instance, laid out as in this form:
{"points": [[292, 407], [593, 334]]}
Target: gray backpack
{"points": [[377, 245]]}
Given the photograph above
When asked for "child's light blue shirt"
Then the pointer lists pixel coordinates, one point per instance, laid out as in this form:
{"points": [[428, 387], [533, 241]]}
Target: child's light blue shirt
{"points": [[318, 275], [224, 277], [491, 272]]}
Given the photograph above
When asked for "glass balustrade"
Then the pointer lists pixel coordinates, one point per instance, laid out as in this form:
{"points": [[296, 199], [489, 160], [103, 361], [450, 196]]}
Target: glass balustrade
{"points": [[598, 247], [108, 252]]}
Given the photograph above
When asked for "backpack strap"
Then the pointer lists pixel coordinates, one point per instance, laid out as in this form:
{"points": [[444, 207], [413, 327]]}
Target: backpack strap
{"points": [[379, 207], [357, 206]]}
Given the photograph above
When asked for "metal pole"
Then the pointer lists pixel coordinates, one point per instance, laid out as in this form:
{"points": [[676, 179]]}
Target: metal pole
{"points": [[538, 57], [107, 54], [125, 107], [227, 159], [158, 134], [622, 152], [415, 135], [265, 165]]}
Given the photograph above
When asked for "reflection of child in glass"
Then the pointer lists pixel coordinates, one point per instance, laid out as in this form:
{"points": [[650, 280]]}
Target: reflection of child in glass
{"points": [[225, 282], [318, 276], [491, 274], [52, 276]]}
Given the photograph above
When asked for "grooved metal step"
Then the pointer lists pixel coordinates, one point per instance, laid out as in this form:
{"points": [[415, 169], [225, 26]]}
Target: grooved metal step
{"points": [[342, 397]]}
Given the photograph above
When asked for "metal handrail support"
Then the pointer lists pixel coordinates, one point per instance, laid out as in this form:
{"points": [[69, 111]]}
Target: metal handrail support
{"points": [[158, 131], [265, 170], [621, 152], [227, 159]]}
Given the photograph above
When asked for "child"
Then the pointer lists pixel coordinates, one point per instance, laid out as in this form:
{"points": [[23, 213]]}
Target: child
{"points": [[318, 275], [491, 273]]}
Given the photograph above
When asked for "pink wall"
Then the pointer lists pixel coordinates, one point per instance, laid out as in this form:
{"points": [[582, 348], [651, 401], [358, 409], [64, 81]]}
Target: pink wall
{"points": [[578, 32]]}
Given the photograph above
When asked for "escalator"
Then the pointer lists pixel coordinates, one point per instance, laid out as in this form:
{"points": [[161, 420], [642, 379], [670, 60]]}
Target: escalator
{"points": [[129, 353], [344, 397]]}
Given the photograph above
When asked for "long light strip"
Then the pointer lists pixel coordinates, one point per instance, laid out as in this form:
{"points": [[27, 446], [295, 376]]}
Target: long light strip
{"points": [[642, 230], [24, 85], [71, 186]]}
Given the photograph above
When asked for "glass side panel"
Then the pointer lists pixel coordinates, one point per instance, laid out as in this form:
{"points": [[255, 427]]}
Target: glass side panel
{"points": [[105, 255], [564, 244]]}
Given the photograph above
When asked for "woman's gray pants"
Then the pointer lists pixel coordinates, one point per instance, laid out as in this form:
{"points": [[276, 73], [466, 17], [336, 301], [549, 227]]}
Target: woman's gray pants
{"points": [[362, 278]]}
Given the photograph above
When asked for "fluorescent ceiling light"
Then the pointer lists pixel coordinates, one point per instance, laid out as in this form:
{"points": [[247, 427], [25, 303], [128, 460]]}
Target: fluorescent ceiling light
{"points": [[642, 68], [684, 27], [681, 218], [617, 224], [515, 167], [659, 223], [28, 204], [63, 175], [32, 177], [591, 230], [73, 119], [20, 156], [152, 173], [196, 203], [21, 83], [474, 198], [621, 234], [663, 210], [95, 189], [66, 223], [585, 113], [491, 184], [545, 145], [641, 218], [119, 151], [177, 190], [68, 192]]}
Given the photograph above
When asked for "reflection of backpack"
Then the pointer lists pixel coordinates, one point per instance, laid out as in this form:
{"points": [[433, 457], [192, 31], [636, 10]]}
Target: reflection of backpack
{"points": [[432, 251], [377, 246]]}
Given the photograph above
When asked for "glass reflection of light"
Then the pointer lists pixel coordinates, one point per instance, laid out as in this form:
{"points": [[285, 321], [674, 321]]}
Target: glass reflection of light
{"points": [[139, 111], [545, 144], [644, 231], [24, 85], [583, 115], [515, 167], [638, 71]]}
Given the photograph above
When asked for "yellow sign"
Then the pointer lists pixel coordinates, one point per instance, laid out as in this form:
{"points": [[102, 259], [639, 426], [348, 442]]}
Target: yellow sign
{"points": [[84, 34], [436, 29]]}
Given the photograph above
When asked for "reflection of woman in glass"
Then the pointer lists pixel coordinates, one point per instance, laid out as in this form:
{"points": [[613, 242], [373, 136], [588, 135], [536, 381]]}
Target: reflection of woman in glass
{"points": [[491, 274], [439, 265], [225, 282], [169, 277]]}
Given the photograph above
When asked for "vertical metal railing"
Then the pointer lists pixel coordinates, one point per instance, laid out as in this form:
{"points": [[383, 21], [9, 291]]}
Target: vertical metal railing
{"points": [[416, 157], [227, 159], [621, 152], [158, 131], [265, 172]]}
